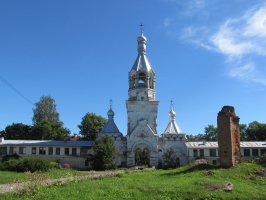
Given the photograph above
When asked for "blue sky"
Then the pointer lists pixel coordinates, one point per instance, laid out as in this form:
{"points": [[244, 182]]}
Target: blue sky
{"points": [[206, 54]]}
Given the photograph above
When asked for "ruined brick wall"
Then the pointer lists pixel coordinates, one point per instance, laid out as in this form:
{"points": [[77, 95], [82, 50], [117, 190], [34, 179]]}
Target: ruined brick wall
{"points": [[228, 137]]}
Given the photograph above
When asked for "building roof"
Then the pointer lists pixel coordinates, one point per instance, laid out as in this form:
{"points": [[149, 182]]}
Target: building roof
{"points": [[207, 144], [172, 126], [110, 126], [46, 143]]}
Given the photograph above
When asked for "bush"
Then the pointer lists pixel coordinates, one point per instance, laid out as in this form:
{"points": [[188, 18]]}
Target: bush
{"points": [[55, 165], [24, 164], [7, 157], [66, 165]]}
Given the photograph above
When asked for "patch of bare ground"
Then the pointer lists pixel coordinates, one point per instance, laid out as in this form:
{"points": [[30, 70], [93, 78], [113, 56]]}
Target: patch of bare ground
{"points": [[227, 187]]}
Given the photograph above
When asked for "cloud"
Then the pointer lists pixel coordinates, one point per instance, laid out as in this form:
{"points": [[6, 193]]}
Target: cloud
{"points": [[237, 39], [256, 24]]}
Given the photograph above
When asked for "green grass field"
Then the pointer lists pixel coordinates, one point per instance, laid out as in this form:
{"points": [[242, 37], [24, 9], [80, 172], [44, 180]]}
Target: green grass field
{"points": [[182, 183]]}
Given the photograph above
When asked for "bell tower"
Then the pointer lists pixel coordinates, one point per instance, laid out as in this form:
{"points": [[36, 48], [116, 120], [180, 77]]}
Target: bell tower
{"points": [[142, 110], [141, 103]]}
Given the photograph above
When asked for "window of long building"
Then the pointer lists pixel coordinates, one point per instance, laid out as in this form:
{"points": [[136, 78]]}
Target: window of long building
{"points": [[33, 150], [12, 150], [84, 151], [22, 150], [201, 153], [255, 152], [66, 151], [262, 151], [42, 150], [57, 151], [3, 150], [51, 151], [195, 153], [74, 151], [213, 152], [246, 152]]}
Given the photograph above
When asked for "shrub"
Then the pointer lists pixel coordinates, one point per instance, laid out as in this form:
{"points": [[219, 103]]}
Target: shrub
{"points": [[55, 165], [7, 157], [66, 165], [24, 164]]}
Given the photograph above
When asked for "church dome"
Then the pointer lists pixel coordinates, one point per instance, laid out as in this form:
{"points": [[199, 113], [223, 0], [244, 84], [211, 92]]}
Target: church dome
{"points": [[110, 113], [172, 114], [142, 38]]}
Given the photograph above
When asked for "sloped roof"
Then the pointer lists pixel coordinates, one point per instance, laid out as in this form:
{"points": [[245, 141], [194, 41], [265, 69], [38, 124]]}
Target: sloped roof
{"points": [[110, 126], [46, 143], [207, 144]]}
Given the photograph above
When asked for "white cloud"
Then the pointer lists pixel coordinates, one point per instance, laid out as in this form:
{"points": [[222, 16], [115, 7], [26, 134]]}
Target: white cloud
{"points": [[237, 39], [243, 71], [247, 73], [256, 24]]}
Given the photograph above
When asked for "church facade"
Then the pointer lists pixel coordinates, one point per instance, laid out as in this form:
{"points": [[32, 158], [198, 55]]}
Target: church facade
{"points": [[142, 144]]}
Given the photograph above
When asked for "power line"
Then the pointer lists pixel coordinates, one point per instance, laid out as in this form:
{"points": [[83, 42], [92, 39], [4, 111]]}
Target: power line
{"points": [[13, 88]]}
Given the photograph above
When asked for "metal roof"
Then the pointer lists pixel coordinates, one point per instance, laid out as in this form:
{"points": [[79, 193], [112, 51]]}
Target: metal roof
{"points": [[46, 143], [207, 144], [110, 126], [142, 62]]}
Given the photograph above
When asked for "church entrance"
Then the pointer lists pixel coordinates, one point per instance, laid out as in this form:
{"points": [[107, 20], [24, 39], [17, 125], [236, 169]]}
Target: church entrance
{"points": [[142, 157]]}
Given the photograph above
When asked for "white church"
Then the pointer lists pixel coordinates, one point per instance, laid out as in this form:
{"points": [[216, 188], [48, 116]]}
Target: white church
{"points": [[142, 144], [142, 111]]}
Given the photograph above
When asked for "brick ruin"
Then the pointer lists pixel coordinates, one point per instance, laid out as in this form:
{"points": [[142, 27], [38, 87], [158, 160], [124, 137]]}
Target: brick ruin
{"points": [[228, 137]]}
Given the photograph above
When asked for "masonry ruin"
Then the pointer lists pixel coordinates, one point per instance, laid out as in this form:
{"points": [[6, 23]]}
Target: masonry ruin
{"points": [[228, 137]]}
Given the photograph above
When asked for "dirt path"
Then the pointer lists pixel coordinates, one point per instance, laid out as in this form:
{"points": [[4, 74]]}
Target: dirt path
{"points": [[11, 187]]}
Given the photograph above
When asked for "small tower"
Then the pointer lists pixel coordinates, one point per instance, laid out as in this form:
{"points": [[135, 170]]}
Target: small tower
{"points": [[173, 138], [228, 137], [172, 127], [110, 126]]}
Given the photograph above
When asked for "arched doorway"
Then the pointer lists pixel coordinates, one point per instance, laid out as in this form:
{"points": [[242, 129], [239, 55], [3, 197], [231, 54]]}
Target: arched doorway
{"points": [[142, 157]]}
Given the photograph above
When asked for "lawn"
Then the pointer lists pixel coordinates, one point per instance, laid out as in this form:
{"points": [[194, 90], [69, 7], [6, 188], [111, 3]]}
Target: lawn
{"points": [[182, 183]]}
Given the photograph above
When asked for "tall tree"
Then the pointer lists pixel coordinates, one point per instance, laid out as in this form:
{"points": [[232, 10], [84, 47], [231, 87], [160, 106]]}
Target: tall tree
{"points": [[243, 134], [91, 124], [256, 131], [45, 109], [211, 133], [17, 131], [104, 154], [46, 130]]}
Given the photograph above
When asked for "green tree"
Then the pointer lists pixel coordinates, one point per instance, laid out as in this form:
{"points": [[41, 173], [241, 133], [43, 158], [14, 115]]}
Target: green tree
{"points": [[243, 135], [17, 131], [211, 133], [46, 130], [171, 160], [45, 109], [91, 124], [256, 131], [104, 157]]}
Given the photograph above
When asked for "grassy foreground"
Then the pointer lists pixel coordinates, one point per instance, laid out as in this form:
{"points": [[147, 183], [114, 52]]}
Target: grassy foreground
{"points": [[182, 183]]}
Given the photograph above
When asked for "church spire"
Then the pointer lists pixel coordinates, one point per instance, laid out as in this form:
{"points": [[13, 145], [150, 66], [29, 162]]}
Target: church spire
{"points": [[172, 126], [141, 75]]}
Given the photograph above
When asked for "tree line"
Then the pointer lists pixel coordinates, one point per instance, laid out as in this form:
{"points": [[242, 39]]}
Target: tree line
{"points": [[46, 124], [254, 131]]}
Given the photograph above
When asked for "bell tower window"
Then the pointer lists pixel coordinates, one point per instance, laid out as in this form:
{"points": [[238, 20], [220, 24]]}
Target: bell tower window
{"points": [[142, 79]]}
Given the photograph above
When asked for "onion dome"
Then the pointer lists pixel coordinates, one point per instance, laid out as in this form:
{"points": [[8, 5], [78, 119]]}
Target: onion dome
{"points": [[142, 43], [110, 113]]}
